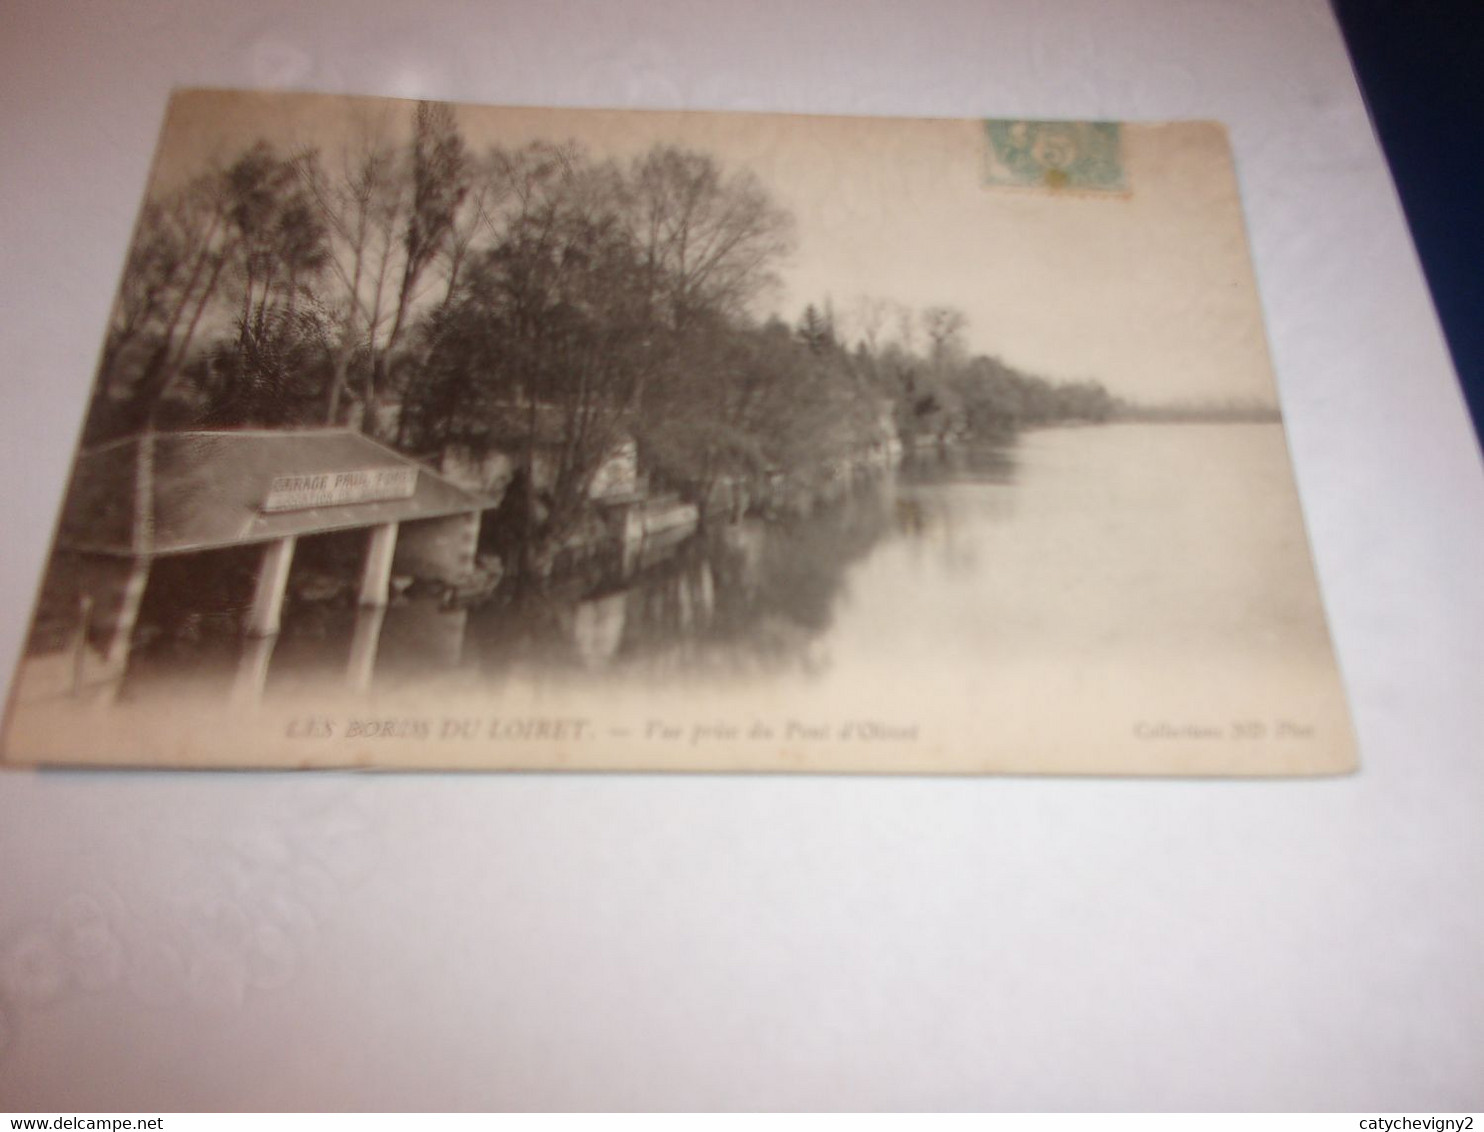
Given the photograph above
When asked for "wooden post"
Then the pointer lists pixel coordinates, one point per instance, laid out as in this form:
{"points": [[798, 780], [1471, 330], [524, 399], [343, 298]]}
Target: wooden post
{"points": [[376, 579], [264, 617]]}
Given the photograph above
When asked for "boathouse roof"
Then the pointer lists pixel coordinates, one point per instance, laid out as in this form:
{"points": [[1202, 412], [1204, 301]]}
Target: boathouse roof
{"points": [[175, 492]]}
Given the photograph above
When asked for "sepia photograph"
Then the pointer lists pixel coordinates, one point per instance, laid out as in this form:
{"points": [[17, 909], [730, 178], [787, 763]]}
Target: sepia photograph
{"points": [[438, 436]]}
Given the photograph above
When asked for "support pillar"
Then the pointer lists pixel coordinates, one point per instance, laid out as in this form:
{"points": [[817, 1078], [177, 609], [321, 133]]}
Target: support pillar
{"points": [[131, 596], [264, 617], [120, 634], [376, 578]]}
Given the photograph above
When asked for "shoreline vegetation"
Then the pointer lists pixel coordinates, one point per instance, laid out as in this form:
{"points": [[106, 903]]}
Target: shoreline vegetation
{"points": [[547, 329]]}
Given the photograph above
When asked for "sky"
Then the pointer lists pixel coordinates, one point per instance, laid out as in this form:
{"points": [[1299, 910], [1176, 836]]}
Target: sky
{"points": [[1149, 291]]}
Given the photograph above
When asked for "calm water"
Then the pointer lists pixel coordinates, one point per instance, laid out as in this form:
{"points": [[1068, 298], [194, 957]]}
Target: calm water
{"points": [[1073, 545], [1099, 540]]}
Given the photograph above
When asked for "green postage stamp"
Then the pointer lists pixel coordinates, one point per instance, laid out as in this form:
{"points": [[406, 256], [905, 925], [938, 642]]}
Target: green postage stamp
{"points": [[1080, 156]]}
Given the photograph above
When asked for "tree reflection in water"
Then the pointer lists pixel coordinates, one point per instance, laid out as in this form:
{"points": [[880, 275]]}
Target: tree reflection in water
{"points": [[750, 596]]}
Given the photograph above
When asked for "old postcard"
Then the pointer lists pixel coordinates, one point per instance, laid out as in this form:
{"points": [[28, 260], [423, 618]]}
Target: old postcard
{"points": [[432, 436]]}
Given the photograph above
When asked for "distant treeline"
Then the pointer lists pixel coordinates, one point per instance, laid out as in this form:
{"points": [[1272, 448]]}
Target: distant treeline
{"points": [[1198, 412], [917, 362]]}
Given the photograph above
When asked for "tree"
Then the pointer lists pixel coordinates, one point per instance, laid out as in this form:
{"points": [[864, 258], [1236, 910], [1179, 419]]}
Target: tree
{"points": [[439, 179], [476, 214], [361, 199], [268, 372], [944, 327], [709, 240], [260, 188], [870, 313], [180, 251], [243, 227], [599, 282], [545, 342], [392, 213], [817, 330], [271, 375]]}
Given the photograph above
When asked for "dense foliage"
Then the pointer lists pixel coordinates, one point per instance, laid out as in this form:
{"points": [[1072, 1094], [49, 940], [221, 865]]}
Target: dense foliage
{"points": [[442, 299]]}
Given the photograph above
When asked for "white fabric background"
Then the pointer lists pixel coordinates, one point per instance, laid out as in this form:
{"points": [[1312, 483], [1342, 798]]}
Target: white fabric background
{"points": [[176, 941]]}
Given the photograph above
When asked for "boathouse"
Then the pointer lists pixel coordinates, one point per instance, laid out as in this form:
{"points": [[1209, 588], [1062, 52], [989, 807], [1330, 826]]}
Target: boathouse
{"points": [[138, 502]]}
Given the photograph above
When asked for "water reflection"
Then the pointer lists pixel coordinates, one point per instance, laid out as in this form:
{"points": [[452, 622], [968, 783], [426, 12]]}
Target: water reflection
{"points": [[949, 501], [421, 636], [365, 643], [251, 676], [736, 597], [597, 627], [961, 463]]}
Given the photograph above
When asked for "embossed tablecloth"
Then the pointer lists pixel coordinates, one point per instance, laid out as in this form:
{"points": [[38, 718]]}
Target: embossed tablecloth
{"points": [[178, 941]]}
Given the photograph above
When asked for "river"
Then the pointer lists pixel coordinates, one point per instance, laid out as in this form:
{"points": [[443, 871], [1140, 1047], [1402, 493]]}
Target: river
{"points": [[1070, 543], [1074, 544], [1081, 600], [1072, 589]]}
